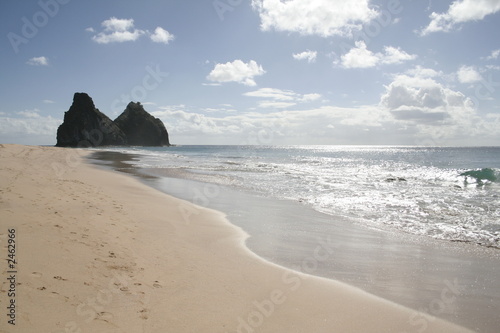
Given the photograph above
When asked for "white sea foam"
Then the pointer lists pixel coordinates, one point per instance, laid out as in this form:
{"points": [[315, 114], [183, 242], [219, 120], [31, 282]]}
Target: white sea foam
{"points": [[417, 190]]}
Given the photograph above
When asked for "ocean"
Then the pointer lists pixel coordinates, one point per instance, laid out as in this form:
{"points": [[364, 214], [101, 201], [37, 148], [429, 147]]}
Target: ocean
{"points": [[444, 193]]}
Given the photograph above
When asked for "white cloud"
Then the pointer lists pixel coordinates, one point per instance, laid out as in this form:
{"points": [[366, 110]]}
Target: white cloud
{"points": [[48, 101], [118, 31], [38, 61], [222, 109], [422, 72], [468, 74], [123, 30], [29, 113], [494, 55], [432, 109], [308, 55], [413, 92], [276, 104], [310, 97], [395, 55], [320, 17], [281, 99], [314, 125], [461, 11], [30, 124], [360, 57], [236, 71], [161, 36], [273, 93]]}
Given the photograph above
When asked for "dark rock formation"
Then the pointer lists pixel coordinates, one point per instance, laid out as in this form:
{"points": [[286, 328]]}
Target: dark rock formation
{"points": [[141, 128], [86, 126]]}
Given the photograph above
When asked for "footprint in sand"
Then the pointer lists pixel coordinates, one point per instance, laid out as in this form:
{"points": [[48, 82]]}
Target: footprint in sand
{"points": [[104, 316], [36, 274], [144, 314], [60, 278]]}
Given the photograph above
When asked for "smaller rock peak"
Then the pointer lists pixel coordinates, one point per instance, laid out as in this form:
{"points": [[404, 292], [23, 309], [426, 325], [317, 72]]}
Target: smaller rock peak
{"points": [[135, 106]]}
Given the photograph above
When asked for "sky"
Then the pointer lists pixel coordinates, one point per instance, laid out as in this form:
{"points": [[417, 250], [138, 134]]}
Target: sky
{"points": [[269, 72]]}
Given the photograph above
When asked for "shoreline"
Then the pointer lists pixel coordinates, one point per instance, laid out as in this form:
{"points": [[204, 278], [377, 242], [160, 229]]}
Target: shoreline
{"points": [[102, 251]]}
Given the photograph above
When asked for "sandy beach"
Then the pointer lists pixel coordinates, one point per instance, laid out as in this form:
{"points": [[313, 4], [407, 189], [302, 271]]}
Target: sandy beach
{"points": [[97, 251]]}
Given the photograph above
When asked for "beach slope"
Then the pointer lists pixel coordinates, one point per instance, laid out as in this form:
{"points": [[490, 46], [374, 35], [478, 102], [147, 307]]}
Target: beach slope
{"points": [[98, 251]]}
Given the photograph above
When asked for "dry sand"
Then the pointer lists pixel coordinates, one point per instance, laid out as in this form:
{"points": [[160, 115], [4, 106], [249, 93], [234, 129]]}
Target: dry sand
{"points": [[99, 251]]}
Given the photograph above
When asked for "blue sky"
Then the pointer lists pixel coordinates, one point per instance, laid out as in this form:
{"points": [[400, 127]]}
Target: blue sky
{"points": [[258, 71]]}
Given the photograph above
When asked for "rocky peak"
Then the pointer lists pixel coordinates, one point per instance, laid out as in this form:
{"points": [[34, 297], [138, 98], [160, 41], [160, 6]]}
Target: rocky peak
{"points": [[85, 126], [141, 128]]}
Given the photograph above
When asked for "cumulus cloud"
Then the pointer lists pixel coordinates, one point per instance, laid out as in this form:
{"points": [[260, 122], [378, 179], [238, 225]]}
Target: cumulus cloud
{"points": [[425, 94], [161, 36], [433, 109], [118, 31], [461, 11], [360, 57], [123, 30], [308, 55], [281, 99], [395, 55], [320, 17], [38, 61], [236, 71], [468, 74]]}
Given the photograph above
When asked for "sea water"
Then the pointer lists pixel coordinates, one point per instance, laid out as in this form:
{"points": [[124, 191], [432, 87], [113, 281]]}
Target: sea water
{"points": [[444, 193]]}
